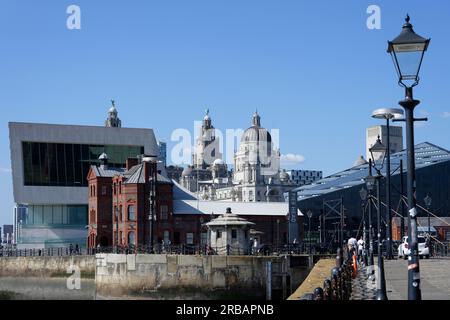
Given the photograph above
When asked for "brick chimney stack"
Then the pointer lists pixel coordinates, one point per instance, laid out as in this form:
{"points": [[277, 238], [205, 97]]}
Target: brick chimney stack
{"points": [[131, 162]]}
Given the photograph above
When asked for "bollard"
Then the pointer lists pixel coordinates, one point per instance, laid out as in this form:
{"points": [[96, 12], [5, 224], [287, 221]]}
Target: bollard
{"points": [[318, 294], [335, 284], [339, 258], [327, 289]]}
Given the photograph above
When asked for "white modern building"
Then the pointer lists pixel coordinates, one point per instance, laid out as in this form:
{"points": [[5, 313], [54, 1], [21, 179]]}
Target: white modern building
{"points": [[396, 138], [50, 164]]}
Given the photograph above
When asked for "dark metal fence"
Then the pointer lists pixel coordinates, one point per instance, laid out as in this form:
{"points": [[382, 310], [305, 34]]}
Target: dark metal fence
{"points": [[262, 250]]}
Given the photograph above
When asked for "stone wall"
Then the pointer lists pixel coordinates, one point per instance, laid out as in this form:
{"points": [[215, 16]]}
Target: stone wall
{"points": [[46, 266], [177, 276]]}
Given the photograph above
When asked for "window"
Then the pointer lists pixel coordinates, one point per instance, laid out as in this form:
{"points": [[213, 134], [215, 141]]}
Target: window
{"points": [[103, 190], [234, 234], [189, 238], [166, 236], [218, 234], [120, 213], [204, 238], [447, 236], [131, 239], [67, 165], [131, 215], [120, 238], [93, 191], [164, 210]]}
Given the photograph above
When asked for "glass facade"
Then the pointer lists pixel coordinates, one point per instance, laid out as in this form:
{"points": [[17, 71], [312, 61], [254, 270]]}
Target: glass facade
{"points": [[67, 165], [56, 215]]}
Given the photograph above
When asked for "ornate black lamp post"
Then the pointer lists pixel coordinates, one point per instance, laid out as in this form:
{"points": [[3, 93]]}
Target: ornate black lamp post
{"points": [[387, 114], [370, 183], [380, 149], [363, 194], [309, 214], [153, 160], [407, 51], [427, 201]]}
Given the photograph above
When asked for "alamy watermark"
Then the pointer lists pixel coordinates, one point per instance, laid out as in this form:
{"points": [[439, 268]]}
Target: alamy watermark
{"points": [[73, 22]]}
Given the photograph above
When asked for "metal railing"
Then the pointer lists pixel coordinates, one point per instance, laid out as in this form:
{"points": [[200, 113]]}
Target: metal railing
{"points": [[183, 249]]}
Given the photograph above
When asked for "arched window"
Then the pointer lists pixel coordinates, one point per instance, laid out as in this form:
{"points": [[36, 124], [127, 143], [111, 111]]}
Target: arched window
{"points": [[131, 213], [131, 239]]}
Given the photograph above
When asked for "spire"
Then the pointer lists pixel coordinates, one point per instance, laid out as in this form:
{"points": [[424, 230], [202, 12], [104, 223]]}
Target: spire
{"points": [[113, 120], [256, 119], [207, 120]]}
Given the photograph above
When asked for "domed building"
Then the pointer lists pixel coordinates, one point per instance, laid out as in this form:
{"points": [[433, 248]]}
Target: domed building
{"points": [[256, 175], [208, 171]]}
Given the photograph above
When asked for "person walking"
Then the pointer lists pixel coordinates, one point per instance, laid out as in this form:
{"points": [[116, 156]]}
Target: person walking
{"points": [[360, 248]]}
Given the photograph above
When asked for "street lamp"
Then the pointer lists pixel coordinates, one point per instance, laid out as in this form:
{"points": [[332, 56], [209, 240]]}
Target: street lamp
{"points": [[363, 194], [407, 51], [379, 148], [427, 201], [153, 186], [309, 214], [388, 114], [370, 183]]}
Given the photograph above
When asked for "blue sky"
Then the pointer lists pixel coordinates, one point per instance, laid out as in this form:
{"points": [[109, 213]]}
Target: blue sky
{"points": [[312, 68]]}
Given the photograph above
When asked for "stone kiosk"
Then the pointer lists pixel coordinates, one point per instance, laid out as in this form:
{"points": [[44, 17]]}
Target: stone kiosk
{"points": [[229, 234]]}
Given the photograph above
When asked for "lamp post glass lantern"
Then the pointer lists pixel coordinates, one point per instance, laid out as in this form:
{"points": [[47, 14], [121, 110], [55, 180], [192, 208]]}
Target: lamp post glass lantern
{"points": [[407, 51]]}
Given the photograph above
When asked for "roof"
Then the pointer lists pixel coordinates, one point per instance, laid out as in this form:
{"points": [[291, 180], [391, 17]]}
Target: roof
{"points": [[136, 175], [238, 208], [100, 171], [181, 193], [427, 154], [229, 219]]}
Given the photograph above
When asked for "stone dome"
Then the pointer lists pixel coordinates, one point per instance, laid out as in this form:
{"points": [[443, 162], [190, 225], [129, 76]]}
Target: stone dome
{"points": [[256, 133]]}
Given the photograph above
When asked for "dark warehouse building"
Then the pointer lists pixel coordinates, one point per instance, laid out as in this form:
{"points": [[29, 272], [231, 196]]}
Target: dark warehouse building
{"points": [[341, 192]]}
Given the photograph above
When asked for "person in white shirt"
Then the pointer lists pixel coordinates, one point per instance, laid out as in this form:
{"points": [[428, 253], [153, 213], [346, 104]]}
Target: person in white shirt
{"points": [[360, 247]]}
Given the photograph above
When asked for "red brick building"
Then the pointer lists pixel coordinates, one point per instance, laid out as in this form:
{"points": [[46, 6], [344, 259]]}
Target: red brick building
{"points": [[440, 227], [179, 217], [119, 204]]}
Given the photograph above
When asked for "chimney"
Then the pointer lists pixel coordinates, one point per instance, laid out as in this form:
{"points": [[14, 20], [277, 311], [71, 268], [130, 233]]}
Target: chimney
{"points": [[104, 161], [147, 169], [131, 162], [149, 163]]}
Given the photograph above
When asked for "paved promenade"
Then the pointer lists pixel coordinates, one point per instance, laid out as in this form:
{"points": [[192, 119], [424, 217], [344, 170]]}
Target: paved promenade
{"points": [[434, 274]]}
